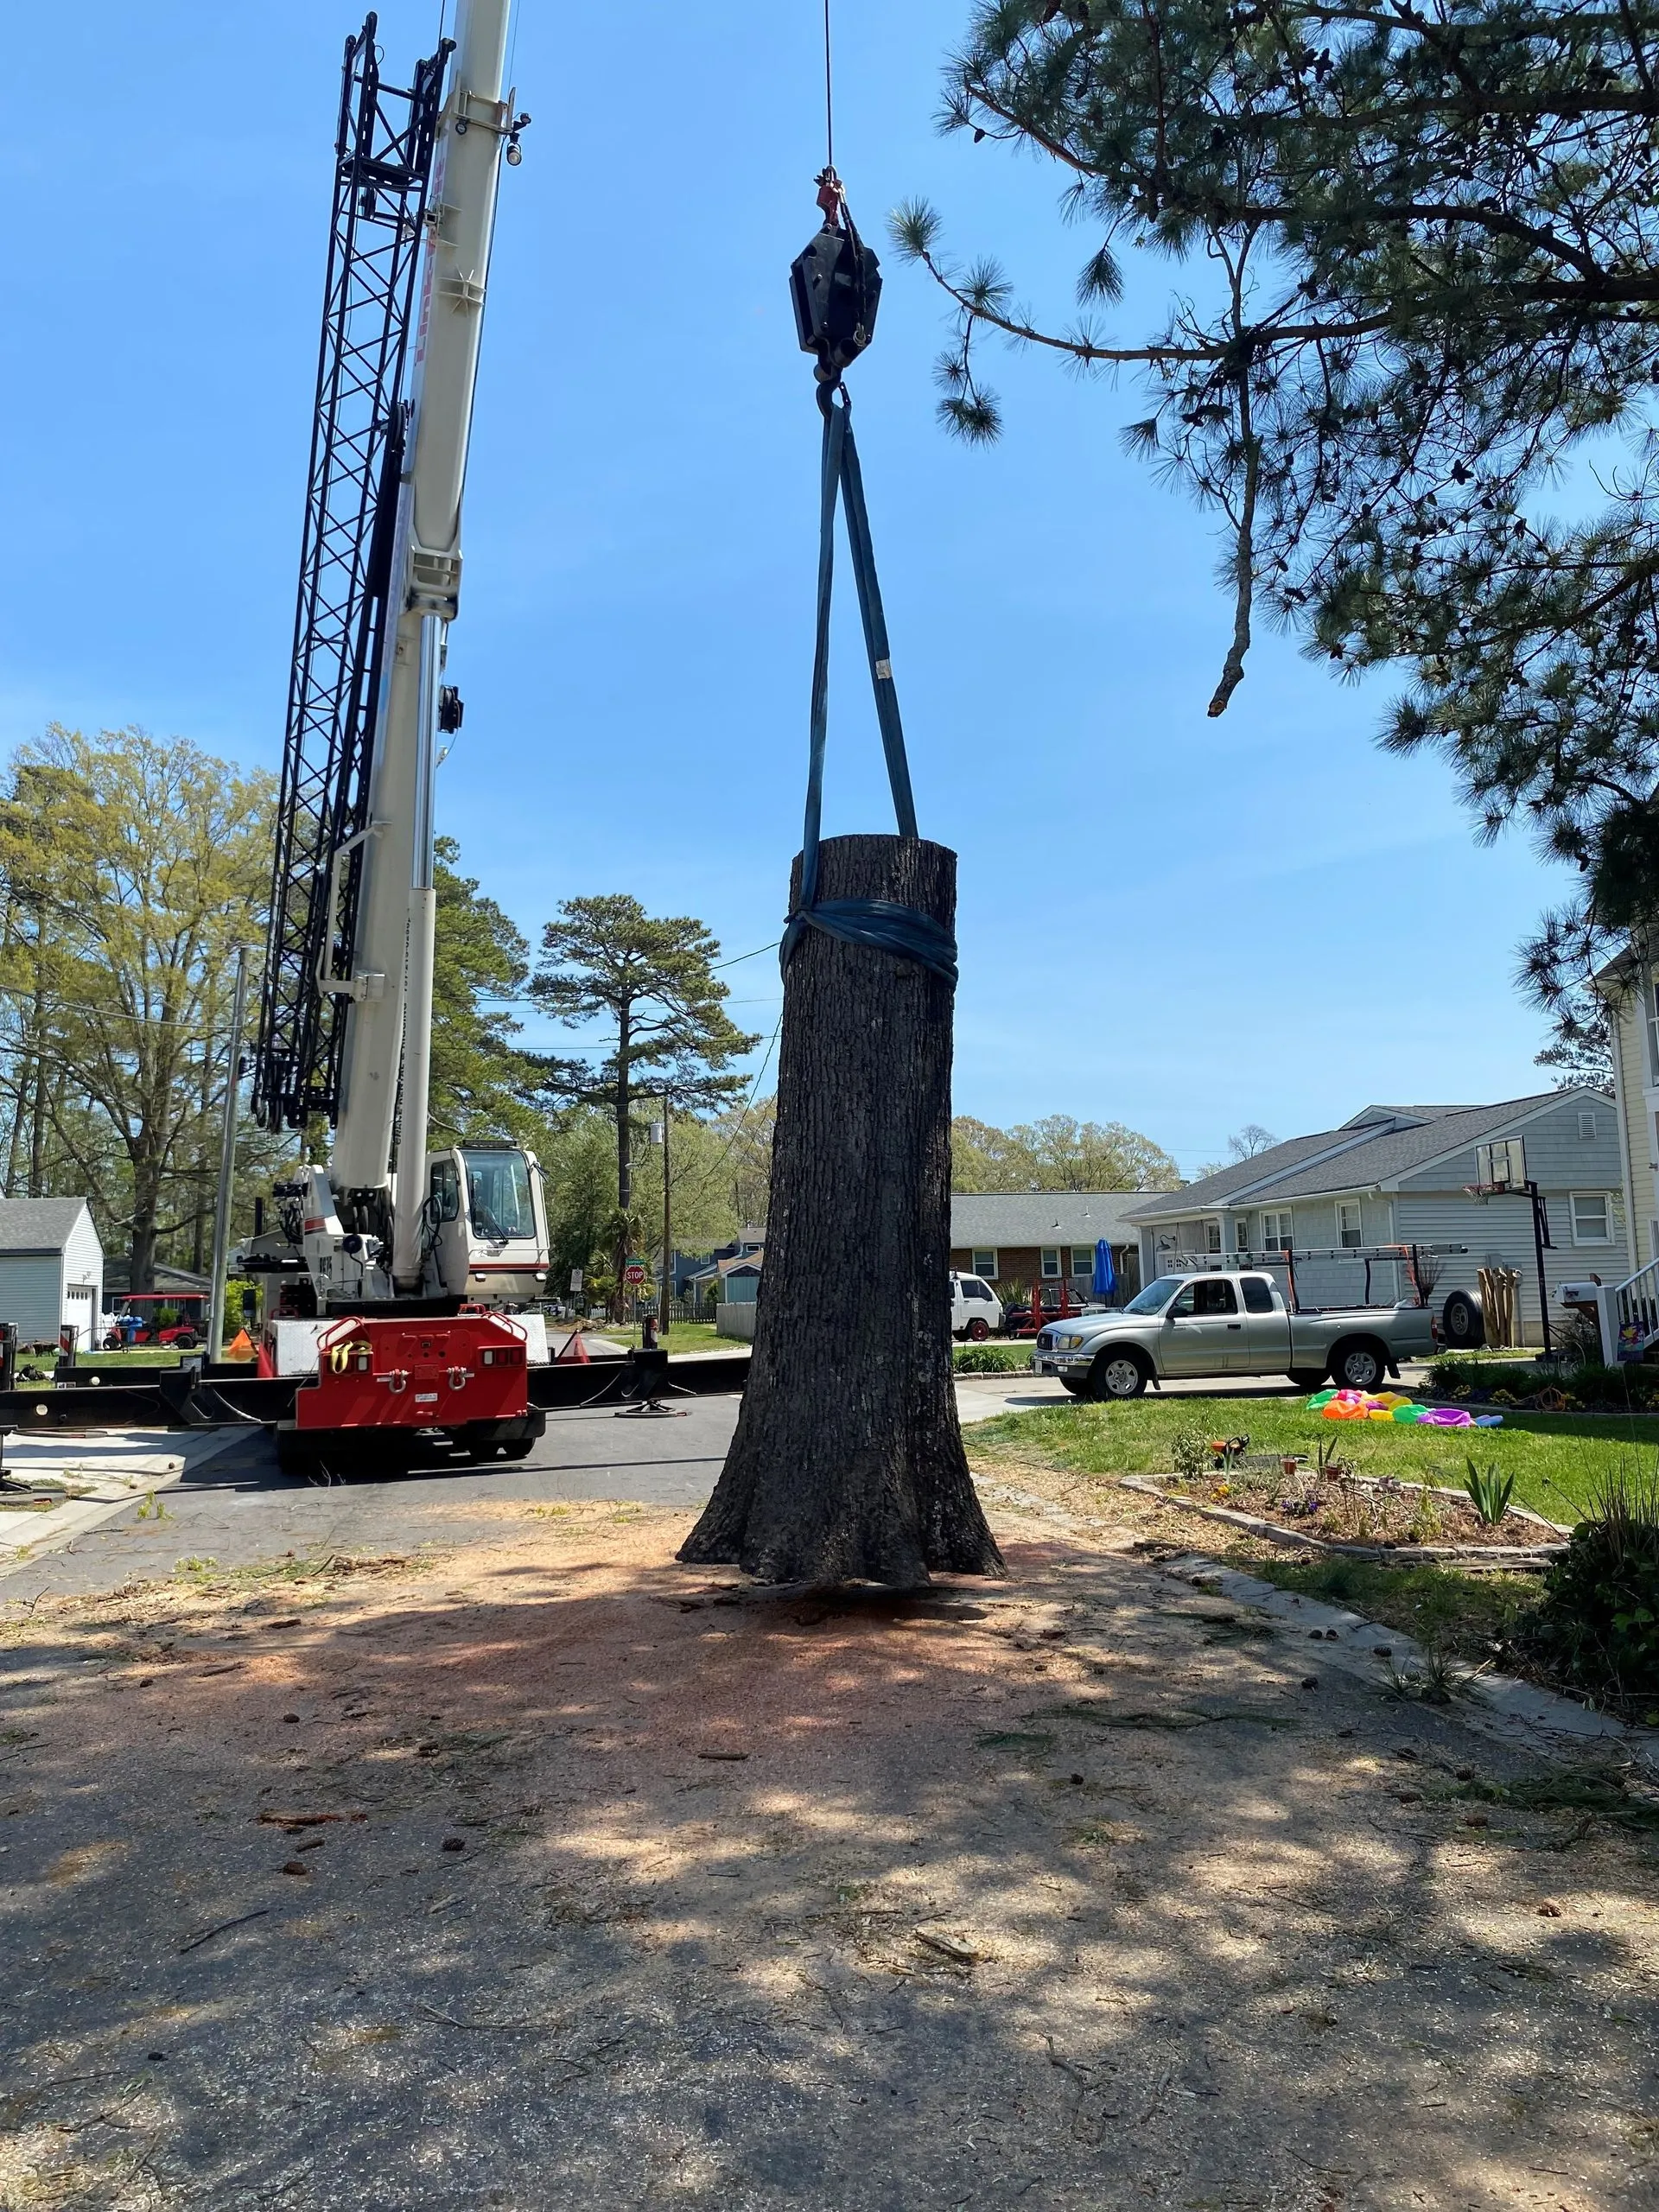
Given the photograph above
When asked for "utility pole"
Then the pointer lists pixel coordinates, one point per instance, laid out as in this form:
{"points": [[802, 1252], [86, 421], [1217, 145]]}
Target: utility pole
{"points": [[227, 1159], [668, 1263]]}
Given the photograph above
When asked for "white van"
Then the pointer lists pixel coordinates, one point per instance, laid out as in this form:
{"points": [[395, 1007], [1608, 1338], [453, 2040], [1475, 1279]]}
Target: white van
{"points": [[976, 1310]]}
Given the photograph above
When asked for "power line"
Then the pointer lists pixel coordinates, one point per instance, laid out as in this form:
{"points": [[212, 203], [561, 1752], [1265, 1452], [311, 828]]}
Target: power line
{"points": [[741, 956], [109, 1012]]}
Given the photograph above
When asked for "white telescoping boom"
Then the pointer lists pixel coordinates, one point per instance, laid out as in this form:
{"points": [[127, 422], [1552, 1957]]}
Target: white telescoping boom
{"points": [[391, 987], [346, 1010]]}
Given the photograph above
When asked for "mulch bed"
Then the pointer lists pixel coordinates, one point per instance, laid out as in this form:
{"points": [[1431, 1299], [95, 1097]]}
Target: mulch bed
{"points": [[1368, 1514]]}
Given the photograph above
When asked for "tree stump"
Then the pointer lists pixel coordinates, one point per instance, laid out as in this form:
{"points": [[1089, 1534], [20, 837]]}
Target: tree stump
{"points": [[847, 1465]]}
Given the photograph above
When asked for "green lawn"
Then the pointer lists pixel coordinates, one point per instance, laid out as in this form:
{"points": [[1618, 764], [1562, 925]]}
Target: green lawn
{"points": [[1559, 1460], [699, 1336], [680, 1336]]}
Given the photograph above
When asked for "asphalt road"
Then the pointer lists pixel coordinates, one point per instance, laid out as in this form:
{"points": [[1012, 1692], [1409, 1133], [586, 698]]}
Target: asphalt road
{"points": [[236, 1507]]}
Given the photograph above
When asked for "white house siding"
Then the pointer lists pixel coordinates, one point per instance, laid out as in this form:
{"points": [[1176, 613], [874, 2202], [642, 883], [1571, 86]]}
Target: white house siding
{"points": [[1431, 1207], [83, 1270], [1315, 1227], [1162, 1244], [31, 1296]]}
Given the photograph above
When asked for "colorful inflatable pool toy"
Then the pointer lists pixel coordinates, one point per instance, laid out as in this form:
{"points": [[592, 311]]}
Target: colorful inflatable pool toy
{"points": [[1391, 1406]]}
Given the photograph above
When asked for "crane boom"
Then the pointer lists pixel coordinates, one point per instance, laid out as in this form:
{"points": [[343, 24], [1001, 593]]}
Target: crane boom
{"points": [[389, 1020], [346, 1014]]}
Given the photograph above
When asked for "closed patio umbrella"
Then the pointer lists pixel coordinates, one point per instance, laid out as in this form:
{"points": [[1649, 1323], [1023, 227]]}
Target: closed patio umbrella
{"points": [[1105, 1281]]}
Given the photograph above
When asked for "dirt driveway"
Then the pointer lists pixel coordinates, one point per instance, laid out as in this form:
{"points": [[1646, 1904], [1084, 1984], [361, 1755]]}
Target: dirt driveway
{"points": [[537, 1872]]}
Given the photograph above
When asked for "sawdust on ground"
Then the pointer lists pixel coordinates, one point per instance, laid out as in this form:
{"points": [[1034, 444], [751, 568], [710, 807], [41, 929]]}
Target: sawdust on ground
{"points": [[546, 1872]]}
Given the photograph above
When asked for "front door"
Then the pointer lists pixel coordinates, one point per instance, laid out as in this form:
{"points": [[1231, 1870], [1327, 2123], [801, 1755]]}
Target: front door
{"points": [[1204, 1332]]}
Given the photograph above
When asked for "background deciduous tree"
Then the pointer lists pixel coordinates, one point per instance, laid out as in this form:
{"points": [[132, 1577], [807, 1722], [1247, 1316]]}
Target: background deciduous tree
{"points": [[1417, 250], [1057, 1153], [131, 868]]}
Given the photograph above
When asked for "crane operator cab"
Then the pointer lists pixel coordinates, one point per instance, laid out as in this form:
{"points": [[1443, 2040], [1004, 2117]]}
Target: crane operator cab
{"points": [[485, 1228]]}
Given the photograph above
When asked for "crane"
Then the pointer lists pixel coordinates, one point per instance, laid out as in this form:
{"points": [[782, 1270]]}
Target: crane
{"points": [[373, 1266]]}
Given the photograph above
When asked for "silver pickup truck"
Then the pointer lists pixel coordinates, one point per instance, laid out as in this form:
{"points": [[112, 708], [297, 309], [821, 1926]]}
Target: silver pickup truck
{"points": [[1228, 1323]]}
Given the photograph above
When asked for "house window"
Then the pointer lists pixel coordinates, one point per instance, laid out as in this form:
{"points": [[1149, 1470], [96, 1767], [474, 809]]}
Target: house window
{"points": [[1051, 1263], [1276, 1232], [1241, 1235], [985, 1264], [1212, 1236], [1593, 1217], [1587, 1126], [1350, 1225]]}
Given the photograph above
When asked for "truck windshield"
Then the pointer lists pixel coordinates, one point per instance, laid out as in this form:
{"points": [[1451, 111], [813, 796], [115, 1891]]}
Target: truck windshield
{"points": [[1156, 1296], [498, 1193]]}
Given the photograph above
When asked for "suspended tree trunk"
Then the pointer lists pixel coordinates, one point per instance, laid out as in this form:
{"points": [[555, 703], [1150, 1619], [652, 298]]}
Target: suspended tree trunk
{"points": [[848, 1462]]}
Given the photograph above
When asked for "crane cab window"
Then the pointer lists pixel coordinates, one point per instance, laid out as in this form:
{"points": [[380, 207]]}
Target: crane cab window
{"points": [[1203, 1298], [497, 1194], [446, 1190]]}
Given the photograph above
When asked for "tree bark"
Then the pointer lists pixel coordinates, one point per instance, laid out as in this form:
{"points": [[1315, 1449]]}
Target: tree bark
{"points": [[848, 1464]]}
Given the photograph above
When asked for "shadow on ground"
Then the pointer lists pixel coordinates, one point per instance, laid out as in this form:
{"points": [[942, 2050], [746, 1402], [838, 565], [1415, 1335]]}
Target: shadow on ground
{"points": [[558, 1874]]}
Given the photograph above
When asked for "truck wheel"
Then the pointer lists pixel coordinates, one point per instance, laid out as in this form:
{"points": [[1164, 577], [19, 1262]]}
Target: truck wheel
{"points": [[1308, 1378], [1463, 1323], [978, 1330], [519, 1448], [1070, 1383], [1360, 1364], [1116, 1374]]}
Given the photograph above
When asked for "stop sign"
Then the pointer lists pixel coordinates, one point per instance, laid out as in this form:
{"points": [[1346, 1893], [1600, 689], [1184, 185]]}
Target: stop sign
{"points": [[633, 1273]]}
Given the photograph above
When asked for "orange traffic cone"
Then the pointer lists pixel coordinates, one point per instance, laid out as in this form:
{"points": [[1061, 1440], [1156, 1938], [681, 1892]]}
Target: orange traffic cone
{"points": [[240, 1346], [575, 1353]]}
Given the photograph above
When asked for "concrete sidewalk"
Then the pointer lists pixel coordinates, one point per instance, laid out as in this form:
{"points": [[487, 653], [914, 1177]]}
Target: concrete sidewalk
{"points": [[58, 1487]]}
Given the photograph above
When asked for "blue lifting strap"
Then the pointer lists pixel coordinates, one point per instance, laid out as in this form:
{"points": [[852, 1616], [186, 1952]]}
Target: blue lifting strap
{"points": [[877, 923]]}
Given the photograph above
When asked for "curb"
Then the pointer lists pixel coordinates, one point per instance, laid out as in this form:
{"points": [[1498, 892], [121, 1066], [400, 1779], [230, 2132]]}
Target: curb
{"points": [[1495, 1705], [1551, 1727]]}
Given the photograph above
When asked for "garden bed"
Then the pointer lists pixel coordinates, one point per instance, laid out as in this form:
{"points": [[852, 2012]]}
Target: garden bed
{"points": [[1366, 1518], [1498, 1384]]}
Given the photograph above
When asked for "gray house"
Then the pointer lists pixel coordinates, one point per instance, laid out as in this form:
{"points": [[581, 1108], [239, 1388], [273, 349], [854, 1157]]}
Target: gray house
{"points": [[51, 1270], [1397, 1176]]}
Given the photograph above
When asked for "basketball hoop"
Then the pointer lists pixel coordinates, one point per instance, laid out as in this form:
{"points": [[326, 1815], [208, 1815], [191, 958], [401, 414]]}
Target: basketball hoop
{"points": [[1500, 1166], [1481, 1191]]}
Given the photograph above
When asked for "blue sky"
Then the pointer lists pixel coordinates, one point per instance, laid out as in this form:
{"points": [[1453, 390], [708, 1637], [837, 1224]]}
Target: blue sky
{"points": [[1179, 924]]}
